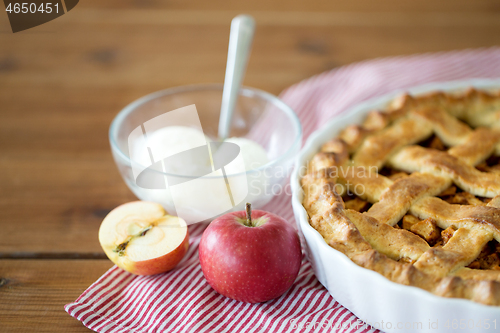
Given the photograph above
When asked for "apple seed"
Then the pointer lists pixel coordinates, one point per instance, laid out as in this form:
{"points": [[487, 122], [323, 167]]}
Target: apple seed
{"points": [[120, 249]]}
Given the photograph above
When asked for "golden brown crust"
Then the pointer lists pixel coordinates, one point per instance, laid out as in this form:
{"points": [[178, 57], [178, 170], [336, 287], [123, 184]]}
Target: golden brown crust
{"points": [[377, 148], [402, 194], [466, 216], [442, 164], [394, 243], [373, 239]]}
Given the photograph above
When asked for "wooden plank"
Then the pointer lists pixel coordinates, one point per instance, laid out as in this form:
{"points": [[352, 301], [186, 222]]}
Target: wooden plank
{"points": [[62, 83], [33, 293], [300, 5]]}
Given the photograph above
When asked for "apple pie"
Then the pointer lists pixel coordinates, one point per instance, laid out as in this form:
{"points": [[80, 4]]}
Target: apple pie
{"points": [[414, 193]]}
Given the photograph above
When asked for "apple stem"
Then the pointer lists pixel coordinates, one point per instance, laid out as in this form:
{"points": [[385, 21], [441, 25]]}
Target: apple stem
{"points": [[249, 214]]}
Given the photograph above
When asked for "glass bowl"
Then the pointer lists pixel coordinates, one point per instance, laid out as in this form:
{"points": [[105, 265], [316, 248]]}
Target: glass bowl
{"points": [[258, 115]]}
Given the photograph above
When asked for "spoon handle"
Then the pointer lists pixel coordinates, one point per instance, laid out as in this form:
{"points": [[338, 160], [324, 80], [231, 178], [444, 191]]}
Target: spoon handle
{"points": [[240, 42]]}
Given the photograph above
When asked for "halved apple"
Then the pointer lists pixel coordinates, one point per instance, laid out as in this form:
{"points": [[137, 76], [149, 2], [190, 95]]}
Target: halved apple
{"points": [[141, 238]]}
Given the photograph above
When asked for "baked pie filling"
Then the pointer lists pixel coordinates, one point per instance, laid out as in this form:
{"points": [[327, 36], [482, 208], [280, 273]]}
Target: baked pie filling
{"points": [[414, 193]]}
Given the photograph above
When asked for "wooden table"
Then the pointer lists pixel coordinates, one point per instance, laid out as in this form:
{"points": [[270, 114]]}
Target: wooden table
{"points": [[62, 83]]}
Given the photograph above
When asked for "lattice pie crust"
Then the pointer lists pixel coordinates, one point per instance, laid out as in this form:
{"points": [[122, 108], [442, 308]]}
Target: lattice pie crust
{"points": [[431, 213]]}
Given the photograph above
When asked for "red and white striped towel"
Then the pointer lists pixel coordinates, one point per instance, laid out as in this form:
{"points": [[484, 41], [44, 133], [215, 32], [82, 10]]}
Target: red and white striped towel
{"points": [[182, 301]]}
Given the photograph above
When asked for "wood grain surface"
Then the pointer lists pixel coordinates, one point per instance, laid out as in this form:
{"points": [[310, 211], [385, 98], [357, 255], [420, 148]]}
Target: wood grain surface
{"points": [[34, 292], [62, 83]]}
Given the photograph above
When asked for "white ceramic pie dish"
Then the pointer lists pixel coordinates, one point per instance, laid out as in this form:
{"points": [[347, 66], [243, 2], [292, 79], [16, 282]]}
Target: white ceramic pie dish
{"points": [[386, 305]]}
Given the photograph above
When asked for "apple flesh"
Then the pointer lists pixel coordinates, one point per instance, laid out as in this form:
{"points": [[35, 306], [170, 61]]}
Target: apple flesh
{"points": [[141, 238], [251, 260]]}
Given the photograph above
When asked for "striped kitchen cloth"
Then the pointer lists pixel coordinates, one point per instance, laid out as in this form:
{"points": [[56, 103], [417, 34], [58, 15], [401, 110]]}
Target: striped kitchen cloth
{"points": [[182, 301]]}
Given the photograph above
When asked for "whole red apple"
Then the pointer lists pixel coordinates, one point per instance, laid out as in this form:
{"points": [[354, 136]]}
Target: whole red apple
{"points": [[250, 256]]}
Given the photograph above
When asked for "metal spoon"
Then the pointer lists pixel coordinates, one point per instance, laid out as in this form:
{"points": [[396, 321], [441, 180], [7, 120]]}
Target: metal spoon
{"points": [[240, 42]]}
